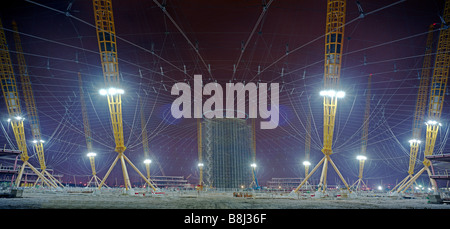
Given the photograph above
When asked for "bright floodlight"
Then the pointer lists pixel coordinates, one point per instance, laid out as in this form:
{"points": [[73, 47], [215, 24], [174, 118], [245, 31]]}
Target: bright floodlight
{"points": [[306, 163], [147, 161], [200, 164], [111, 91], [361, 158], [91, 154], [9, 120], [34, 141], [253, 165], [103, 92], [380, 188], [332, 93], [414, 141], [340, 94], [19, 118], [433, 122]]}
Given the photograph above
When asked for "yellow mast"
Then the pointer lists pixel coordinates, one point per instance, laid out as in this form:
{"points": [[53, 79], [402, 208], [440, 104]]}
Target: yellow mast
{"points": [[437, 94], [106, 36], [11, 95], [362, 157], [30, 103], [334, 40], [88, 135], [421, 105]]}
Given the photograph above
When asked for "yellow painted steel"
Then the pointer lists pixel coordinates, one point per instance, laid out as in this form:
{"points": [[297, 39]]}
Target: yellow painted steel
{"points": [[30, 103], [334, 41], [106, 36], [11, 95], [437, 94], [421, 104]]}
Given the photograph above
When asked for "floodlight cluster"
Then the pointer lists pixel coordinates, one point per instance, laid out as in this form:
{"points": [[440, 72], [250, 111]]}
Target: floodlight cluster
{"points": [[91, 154], [333, 93], [111, 91], [414, 141], [433, 122], [147, 161], [361, 158]]}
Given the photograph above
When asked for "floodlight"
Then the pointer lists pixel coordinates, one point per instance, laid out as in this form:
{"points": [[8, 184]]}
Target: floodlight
{"points": [[112, 91], [414, 141], [361, 158], [306, 163], [103, 92], [41, 141], [9, 120], [200, 164], [147, 161], [34, 141], [19, 118], [91, 154], [340, 94], [253, 165], [433, 122], [120, 91]]}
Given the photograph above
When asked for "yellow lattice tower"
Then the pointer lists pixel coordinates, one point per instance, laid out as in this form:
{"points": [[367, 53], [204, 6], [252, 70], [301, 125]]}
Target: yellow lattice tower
{"points": [[104, 23], [11, 95], [334, 40], [421, 105], [437, 94], [38, 142], [145, 146], [364, 137], [88, 135]]}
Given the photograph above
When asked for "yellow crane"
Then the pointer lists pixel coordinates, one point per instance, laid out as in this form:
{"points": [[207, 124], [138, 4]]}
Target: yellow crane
{"points": [[16, 118], [437, 94], [421, 105], [334, 40], [106, 36], [38, 142], [365, 134], [88, 136]]}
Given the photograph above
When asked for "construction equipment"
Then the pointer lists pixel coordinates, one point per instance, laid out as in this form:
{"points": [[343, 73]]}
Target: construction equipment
{"points": [[88, 136], [104, 23], [365, 134], [421, 105], [334, 39], [11, 95], [437, 94], [38, 142]]}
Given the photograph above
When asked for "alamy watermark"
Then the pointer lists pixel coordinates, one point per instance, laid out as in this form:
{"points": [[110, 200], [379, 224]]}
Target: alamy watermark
{"points": [[213, 106]]}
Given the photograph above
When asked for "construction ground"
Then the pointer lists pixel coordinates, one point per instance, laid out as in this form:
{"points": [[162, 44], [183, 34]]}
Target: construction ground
{"points": [[78, 198]]}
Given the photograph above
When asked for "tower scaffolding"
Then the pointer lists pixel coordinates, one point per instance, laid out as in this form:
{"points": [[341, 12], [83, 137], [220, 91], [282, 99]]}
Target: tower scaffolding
{"points": [[421, 104], [334, 39], [437, 94], [11, 95], [38, 142], [104, 23]]}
